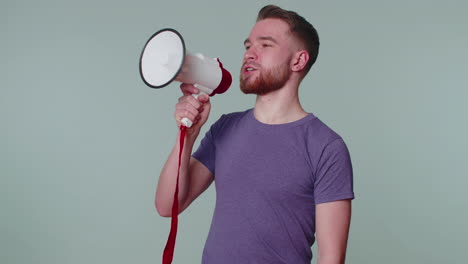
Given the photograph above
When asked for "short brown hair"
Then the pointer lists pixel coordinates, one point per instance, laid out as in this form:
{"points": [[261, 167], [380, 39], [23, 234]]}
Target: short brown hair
{"points": [[302, 29]]}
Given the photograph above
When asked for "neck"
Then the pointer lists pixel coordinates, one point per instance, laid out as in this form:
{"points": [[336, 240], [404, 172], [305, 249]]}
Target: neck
{"points": [[279, 107]]}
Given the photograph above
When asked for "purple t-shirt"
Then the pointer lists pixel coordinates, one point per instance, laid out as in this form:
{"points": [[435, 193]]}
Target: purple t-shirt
{"points": [[268, 180]]}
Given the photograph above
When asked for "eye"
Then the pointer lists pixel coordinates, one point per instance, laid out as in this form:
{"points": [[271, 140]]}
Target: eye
{"points": [[247, 47], [265, 45]]}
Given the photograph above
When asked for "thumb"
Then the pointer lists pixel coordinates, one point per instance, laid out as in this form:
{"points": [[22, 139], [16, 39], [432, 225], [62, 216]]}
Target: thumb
{"points": [[204, 98]]}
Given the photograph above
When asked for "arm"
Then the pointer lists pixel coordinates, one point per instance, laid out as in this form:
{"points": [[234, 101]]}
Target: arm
{"points": [[332, 228], [194, 177]]}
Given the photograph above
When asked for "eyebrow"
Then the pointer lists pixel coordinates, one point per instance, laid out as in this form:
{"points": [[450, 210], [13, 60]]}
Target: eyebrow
{"points": [[262, 38]]}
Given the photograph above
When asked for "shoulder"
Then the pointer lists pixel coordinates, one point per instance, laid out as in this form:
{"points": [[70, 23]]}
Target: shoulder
{"points": [[322, 141], [320, 134]]}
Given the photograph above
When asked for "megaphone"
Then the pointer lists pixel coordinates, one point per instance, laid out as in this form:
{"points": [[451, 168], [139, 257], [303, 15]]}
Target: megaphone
{"points": [[165, 59]]}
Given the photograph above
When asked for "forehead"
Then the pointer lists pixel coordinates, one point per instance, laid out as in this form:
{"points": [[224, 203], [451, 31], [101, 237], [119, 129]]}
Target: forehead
{"points": [[270, 27]]}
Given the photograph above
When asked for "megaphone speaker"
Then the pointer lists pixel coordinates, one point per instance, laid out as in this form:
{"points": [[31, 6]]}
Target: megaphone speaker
{"points": [[165, 59]]}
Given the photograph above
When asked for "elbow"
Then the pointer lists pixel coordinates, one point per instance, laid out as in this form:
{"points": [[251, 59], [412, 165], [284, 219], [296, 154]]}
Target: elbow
{"points": [[164, 208], [164, 211], [161, 211]]}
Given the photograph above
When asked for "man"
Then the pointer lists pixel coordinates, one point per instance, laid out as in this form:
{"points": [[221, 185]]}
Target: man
{"points": [[283, 178]]}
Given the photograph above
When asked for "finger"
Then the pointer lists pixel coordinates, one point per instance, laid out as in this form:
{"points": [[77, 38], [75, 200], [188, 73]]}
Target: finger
{"points": [[187, 107], [193, 101], [189, 89], [189, 99], [180, 114]]}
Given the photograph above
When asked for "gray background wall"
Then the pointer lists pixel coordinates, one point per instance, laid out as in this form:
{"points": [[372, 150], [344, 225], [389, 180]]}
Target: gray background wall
{"points": [[82, 139]]}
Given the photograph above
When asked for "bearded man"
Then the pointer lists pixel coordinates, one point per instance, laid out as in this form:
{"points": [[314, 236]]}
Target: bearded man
{"points": [[283, 178]]}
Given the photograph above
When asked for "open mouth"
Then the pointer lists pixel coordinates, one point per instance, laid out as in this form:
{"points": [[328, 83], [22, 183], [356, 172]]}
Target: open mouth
{"points": [[249, 69]]}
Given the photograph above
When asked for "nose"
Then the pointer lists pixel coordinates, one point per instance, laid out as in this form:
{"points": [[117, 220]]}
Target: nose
{"points": [[250, 54]]}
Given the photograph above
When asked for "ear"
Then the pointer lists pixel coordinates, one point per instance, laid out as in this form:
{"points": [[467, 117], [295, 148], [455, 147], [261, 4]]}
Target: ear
{"points": [[299, 60]]}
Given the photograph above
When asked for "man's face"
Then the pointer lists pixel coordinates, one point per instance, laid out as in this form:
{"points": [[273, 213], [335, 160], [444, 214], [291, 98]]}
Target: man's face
{"points": [[266, 63]]}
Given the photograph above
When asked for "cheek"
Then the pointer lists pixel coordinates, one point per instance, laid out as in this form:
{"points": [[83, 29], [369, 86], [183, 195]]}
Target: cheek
{"points": [[281, 54], [278, 60]]}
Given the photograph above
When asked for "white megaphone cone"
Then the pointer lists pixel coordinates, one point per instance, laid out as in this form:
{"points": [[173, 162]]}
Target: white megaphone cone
{"points": [[165, 59]]}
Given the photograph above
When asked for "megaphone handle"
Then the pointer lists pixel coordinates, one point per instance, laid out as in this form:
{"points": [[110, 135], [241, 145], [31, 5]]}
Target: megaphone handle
{"points": [[185, 121]]}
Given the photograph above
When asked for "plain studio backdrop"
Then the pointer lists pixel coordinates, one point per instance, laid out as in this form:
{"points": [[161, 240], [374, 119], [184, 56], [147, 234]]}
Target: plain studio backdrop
{"points": [[82, 139]]}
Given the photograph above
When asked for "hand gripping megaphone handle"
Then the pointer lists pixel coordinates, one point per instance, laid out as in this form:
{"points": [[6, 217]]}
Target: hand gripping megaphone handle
{"points": [[203, 90]]}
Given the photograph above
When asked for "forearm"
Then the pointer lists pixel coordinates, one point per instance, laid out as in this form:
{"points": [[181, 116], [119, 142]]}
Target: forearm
{"points": [[332, 259], [167, 179], [333, 253]]}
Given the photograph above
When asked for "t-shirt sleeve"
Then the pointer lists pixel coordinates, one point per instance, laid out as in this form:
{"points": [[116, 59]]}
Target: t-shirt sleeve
{"points": [[206, 151], [334, 175]]}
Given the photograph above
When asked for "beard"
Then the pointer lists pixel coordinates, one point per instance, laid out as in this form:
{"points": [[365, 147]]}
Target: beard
{"points": [[268, 81]]}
